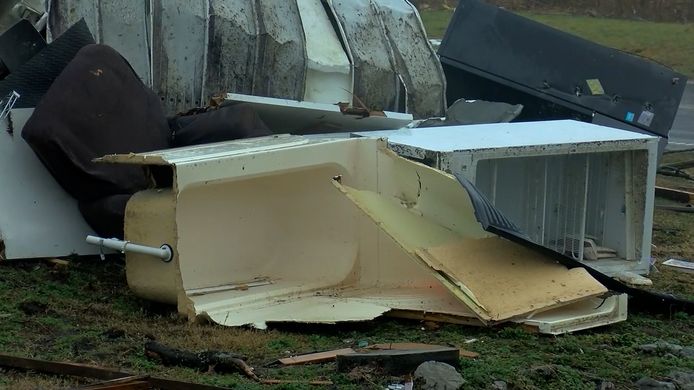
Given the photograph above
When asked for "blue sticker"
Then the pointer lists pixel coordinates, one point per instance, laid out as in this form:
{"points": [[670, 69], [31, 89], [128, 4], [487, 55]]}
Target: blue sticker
{"points": [[630, 117]]}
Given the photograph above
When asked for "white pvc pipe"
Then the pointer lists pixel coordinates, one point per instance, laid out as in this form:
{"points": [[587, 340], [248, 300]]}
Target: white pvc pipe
{"points": [[164, 252]]}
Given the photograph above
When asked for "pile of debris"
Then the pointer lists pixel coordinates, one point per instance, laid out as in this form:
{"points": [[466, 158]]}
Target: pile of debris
{"points": [[458, 216]]}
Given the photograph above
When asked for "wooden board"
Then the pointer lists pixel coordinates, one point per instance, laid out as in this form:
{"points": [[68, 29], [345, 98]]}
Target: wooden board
{"points": [[398, 362], [319, 357], [415, 346], [674, 194]]}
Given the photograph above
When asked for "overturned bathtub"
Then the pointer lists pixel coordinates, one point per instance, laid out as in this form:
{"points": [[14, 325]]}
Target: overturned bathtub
{"points": [[291, 229]]}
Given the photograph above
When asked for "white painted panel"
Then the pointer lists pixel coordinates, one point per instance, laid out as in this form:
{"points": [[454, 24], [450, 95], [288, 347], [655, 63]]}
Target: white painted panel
{"points": [[329, 73], [37, 217]]}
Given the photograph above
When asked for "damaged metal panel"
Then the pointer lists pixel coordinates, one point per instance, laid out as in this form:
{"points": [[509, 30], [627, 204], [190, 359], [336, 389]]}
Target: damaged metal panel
{"points": [[580, 316], [333, 266], [290, 116], [281, 66], [329, 76], [437, 227], [119, 24], [490, 53], [415, 58], [376, 83], [179, 42], [373, 56], [299, 250], [64, 13], [123, 25], [38, 218], [232, 48], [581, 182]]}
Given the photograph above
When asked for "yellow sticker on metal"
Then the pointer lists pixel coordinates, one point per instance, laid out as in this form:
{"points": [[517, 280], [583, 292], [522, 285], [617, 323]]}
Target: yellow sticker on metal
{"points": [[595, 87]]}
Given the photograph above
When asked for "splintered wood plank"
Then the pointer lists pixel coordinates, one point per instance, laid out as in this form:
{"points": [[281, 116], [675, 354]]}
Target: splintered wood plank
{"points": [[419, 346], [675, 194], [319, 357], [508, 279], [396, 361]]}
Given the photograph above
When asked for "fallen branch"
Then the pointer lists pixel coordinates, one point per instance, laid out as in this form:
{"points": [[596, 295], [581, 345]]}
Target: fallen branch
{"points": [[674, 171], [206, 360]]}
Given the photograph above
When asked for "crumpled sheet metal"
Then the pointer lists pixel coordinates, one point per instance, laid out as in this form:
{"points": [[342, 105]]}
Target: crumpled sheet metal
{"points": [[232, 51], [414, 58], [376, 81], [329, 74], [189, 51], [122, 25], [261, 234], [179, 48]]}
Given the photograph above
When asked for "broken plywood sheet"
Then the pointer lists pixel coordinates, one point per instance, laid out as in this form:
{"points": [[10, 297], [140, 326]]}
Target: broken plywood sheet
{"points": [[459, 261]]}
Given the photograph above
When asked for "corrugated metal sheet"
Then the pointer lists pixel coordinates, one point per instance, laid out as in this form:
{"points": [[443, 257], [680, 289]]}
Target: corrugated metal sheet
{"points": [[415, 59], [232, 47], [281, 67], [122, 25], [188, 51], [329, 70], [376, 83], [179, 37]]}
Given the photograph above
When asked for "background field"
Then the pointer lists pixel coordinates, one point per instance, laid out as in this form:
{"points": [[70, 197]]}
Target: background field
{"points": [[671, 44]]}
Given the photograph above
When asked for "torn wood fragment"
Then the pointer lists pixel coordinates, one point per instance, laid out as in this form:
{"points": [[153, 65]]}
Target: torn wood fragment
{"points": [[398, 362], [674, 194], [468, 354], [415, 346], [135, 382], [319, 357], [93, 372]]}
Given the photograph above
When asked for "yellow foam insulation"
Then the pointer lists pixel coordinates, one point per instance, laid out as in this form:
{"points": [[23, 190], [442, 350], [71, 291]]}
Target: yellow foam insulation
{"points": [[496, 278], [508, 279]]}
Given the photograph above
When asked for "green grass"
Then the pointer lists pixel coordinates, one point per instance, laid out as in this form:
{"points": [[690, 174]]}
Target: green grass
{"points": [[671, 44], [88, 298]]}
